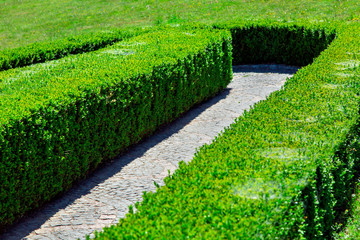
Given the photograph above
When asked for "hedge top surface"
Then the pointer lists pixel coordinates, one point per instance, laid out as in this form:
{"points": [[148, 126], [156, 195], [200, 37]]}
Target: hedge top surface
{"points": [[26, 89]]}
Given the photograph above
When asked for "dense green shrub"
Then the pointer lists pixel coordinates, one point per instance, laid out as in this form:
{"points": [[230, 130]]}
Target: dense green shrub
{"points": [[282, 43], [284, 169], [60, 119], [45, 51]]}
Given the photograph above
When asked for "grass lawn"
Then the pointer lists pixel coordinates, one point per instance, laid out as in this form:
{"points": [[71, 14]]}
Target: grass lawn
{"points": [[27, 21]]}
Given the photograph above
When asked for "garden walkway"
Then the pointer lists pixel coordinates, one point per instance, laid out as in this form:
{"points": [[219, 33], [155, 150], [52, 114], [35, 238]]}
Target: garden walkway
{"points": [[105, 196]]}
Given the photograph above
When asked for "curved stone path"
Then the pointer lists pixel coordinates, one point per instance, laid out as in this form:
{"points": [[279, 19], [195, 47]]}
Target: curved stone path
{"points": [[105, 196]]}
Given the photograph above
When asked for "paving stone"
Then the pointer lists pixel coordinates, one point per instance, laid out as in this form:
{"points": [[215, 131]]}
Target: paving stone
{"points": [[38, 237], [106, 195]]}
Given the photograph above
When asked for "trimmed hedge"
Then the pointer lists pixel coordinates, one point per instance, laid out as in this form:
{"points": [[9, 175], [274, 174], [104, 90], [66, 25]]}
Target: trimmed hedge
{"points": [[351, 229], [44, 51], [283, 170], [59, 120], [290, 44]]}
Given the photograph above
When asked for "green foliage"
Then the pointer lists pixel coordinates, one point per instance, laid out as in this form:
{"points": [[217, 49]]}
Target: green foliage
{"points": [[283, 43], [283, 170], [45, 51], [351, 231], [28, 21], [60, 119]]}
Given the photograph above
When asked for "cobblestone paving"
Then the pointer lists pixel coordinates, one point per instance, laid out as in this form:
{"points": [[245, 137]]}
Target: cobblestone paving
{"points": [[105, 196]]}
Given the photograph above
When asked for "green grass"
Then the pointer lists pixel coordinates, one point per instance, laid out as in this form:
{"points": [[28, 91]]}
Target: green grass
{"points": [[26, 21]]}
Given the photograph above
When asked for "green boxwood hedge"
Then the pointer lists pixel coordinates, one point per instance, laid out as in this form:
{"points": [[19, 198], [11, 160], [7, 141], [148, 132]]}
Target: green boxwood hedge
{"points": [[60, 119], [45, 51], [267, 42], [284, 169]]}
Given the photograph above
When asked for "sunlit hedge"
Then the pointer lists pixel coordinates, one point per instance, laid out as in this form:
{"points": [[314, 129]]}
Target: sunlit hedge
{"points": [[44, 51], [60, 119], [283, 170]]}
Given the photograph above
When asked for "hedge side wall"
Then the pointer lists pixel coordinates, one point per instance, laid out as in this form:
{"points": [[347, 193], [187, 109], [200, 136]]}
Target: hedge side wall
{"points": [[281, 43]]}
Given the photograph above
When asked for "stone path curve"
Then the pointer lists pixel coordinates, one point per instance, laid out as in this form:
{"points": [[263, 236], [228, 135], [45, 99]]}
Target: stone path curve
{"points": [[105, 196]]}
